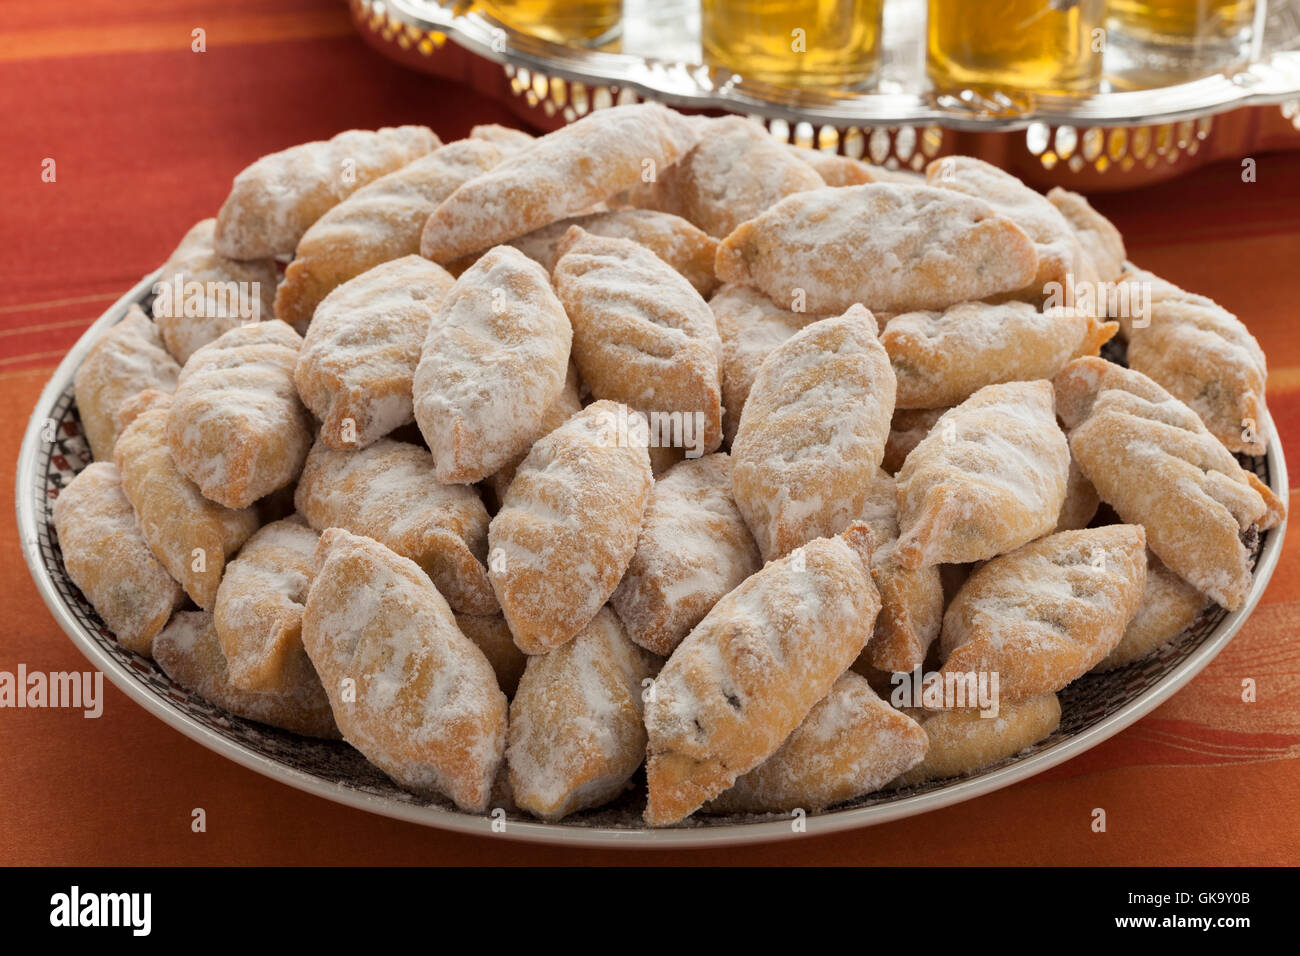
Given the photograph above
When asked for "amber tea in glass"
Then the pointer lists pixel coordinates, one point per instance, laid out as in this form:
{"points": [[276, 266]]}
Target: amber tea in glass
{"points": [[582, 22], [1164, 41]]}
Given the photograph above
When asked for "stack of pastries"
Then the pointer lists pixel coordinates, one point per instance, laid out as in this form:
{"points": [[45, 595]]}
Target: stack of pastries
{"points": [[428, 502]]}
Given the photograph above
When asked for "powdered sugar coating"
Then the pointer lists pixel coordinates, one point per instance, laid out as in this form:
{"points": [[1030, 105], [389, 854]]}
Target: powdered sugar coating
{"points": [[568, 527], [492, 365], [567, 404], [563, 173], [276, 199], [851, 743], [506, 139], [989, 477], [491, 635], [642, 335], [834, 169], [751, 671], [408, 689], [1102, 244], [906, 429], [1047, 613], [128, 359], [358, 358], [378, 223], [388, 491], [576, 733], [1168, 607], [964, 741], [108, 558], [693, 549], [237, 428], [191, 322], [813, 432], [891, 248]]}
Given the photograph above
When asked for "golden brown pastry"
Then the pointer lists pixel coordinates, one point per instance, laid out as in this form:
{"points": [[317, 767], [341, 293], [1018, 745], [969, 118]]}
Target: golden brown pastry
{"points": [[964, 741], [1168, 607], [108, 558], [237, 428], [190, 534], [750, 672], [813, 432], [1048, 612], [388, 491], [276, 199], [1102, 244], [493, 364], [1081, 501], [568, 528], [906, 429], [990, 476], [407, 688], [891, 248], [201, 294], [505, 138], [834, 169], [359, 356], [125, 361], [567, 404], [492, 636], [576, 733], [693, 549]]}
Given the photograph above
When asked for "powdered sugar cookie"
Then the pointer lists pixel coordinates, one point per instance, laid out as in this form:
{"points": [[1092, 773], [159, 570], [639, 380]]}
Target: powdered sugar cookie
{"points": [[408, 689], [736, 171], [686, 248], [505, 138], [1047, 613], [359, 356], [943, 358], [989, 477], [388, 491], [128, 359], [1153, 461], [750, 672], [1102, 244], [188, 652], [1081, 501], [202, 294], [492, 636], [108, 558], [642, 335], [964, 741], [813, 432], [237, 428], [851, 743], [750, 326], [567, 404], [258, 614], [376, 224], [276, 199], [494, 362], [563, 173], [191, 535], [1169, 606], [576, 734], [906, 429], [694, 548], [834, 169], [892, 248], [568, 527]]}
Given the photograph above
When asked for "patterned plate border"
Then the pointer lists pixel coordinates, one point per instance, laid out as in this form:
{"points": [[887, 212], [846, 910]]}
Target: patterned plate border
{"points": [[1093, 708]]}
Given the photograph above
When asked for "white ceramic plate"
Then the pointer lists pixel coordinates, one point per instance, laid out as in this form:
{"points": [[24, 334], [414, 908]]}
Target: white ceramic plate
{"points": [[1093, 708]]}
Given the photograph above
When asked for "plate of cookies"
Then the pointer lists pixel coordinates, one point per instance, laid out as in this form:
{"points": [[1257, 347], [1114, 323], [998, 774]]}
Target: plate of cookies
{"points": [[650, 482]]}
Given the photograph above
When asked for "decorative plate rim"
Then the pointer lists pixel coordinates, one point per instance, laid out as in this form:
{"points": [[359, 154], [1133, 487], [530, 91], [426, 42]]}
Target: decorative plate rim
{"points": [[28, 483]]}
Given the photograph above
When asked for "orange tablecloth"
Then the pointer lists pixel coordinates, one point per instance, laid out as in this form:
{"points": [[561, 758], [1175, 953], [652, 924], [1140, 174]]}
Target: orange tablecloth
{"points": [[146, 136]]}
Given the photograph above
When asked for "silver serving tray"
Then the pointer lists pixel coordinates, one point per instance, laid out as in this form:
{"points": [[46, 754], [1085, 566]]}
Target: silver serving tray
{"points": [[1093, 708], [660, 60]]}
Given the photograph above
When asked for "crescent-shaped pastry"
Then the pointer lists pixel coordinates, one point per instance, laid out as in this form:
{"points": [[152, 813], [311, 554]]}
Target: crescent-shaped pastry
{"points": [[964, 741], [1103, 246], [891, 248], [125, 361], [276, 199], [358, 358], [943, 358], [567, 404], [568, 527], [576, 733], [990, 476], [237, 428], [750, 672], [813, 432], [388, 491], [108, 558], [906, 429], [693, 549], [563, 173], [1081, 501], [492, 636], [201, 294], [189, 533], [407, 688], [1168, 607], [505, 138], [494, 362], [378, 223], [1048, 612], [642, 335], [851, 743], [834, 169]]}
